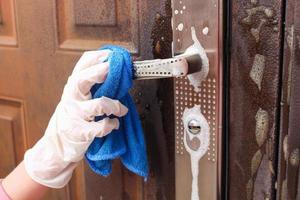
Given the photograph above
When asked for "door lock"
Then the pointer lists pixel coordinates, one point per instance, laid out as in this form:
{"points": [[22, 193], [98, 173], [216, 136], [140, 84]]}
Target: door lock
{"points": [[194, 126]]}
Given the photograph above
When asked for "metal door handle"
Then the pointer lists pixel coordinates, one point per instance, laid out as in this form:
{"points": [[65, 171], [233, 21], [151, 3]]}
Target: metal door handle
{"points": [[160, 68], [180, 65]]}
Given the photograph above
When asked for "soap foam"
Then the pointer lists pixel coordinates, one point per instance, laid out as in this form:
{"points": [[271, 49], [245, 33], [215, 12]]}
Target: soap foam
{"points": [[205, 30], [204, 137], [180, 27], [195, 79]]}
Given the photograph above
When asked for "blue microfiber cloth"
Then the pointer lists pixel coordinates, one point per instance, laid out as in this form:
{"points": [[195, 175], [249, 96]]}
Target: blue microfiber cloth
{"points": [[126, 143]]}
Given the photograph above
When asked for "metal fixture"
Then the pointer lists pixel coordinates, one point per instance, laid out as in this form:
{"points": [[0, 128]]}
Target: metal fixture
{"points": [[180, 65], [194, 126]]}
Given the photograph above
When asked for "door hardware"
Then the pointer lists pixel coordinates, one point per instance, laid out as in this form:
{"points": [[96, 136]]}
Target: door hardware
{"points": [[180, 65], [194, 126], [198, 151]]}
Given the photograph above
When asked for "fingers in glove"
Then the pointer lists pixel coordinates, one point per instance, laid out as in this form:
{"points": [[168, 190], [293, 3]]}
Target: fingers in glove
{"points": [[103, 127], [101, 106], [90, 58], [90, 76]]}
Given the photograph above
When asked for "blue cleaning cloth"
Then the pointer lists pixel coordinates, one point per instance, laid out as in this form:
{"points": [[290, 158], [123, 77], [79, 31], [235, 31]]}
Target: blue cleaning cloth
{"points": [[126, 143]]}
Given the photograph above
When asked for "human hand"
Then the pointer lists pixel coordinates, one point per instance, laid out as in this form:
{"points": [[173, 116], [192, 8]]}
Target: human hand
{"points": [[72, 128]]}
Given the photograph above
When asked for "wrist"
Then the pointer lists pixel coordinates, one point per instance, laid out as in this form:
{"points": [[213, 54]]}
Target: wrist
{"points": [[24, 188], [3, 194], [45, 165]]}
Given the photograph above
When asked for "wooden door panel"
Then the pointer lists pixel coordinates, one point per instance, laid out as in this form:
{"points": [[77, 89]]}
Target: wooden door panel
{"points": [[44, 41], [89, 25], [12, 134], [254, 98], [7, 23], [83, 25]]}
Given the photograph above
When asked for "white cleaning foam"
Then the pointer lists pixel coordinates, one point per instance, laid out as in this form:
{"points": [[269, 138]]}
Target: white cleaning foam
{"points": [[180, 27], [203, 136], [205, 30], [195, 79]]}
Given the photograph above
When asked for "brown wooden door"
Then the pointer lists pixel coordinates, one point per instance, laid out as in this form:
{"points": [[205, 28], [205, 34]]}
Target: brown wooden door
{"points": [[40, 41], [256, 105]]}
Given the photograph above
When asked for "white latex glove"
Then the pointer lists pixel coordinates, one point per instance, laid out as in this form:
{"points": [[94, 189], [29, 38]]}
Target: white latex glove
{"points": [[71, 129]]}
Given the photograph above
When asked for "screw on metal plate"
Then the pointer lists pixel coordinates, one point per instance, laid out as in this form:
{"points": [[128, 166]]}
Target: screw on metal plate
{"points": [[194, 126]]}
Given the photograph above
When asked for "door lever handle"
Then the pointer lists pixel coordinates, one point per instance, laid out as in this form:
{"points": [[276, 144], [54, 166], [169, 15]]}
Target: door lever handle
{"points": [[180, 65]]}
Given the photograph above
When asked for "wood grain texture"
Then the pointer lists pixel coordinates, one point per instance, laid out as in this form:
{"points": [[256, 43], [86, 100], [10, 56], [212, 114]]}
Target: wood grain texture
{"points": [[254, 98], [8, 33], [83, 25], [8, 160], [37, 70], [1, 21], [12, 134], [95, 12]]}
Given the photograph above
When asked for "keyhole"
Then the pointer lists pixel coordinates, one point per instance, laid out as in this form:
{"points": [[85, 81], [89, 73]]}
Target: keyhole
{"points": [[194, 126]]}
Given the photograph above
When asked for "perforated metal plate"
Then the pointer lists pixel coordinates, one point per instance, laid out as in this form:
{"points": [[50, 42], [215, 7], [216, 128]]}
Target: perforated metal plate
{"points": [[198, 176], [208, 100], [185, 97]]}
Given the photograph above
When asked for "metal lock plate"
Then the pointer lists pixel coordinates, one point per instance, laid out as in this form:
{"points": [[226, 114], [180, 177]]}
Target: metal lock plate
{"points": [[198, 148]]}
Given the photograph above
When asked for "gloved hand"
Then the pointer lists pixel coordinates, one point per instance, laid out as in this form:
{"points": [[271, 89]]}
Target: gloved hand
{"points": [[71, 129]]}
